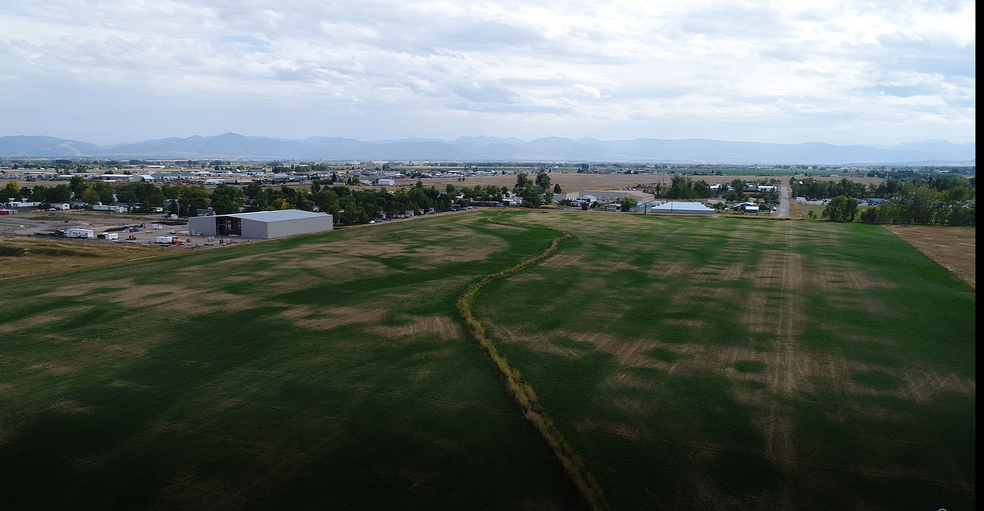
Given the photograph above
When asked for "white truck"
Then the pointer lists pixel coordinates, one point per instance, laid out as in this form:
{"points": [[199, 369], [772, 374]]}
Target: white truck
{"points": [[167, 240]]}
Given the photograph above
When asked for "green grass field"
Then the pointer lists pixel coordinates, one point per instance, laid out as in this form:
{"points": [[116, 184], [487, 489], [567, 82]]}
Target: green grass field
{"points": [[733, 364], [694, 363], [319, 372]]}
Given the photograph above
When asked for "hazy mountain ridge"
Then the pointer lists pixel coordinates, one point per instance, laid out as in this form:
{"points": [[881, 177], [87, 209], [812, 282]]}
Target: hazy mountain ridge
{"points": [[232, 145]]}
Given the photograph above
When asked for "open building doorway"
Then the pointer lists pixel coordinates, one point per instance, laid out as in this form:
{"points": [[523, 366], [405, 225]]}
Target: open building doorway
{"points": [[228, 226]]}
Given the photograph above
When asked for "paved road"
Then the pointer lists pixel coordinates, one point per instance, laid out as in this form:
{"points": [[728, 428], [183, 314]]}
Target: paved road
{"points": [[783, 203]]}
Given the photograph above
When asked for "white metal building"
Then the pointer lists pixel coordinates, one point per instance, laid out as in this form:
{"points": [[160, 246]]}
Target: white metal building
{"points": [[262, 224], [682, 208], [609, 196]]}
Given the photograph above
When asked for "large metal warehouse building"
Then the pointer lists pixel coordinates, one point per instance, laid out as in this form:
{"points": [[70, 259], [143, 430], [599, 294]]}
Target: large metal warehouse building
{"points": [[262, 224], [682, 208]]}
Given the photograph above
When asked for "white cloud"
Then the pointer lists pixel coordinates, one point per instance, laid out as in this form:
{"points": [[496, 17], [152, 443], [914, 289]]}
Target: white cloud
{"points": [[753, 68], [587, 90]]}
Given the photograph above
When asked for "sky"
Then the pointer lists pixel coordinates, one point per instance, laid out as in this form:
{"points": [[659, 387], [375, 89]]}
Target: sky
{"points": [[841, 72]]}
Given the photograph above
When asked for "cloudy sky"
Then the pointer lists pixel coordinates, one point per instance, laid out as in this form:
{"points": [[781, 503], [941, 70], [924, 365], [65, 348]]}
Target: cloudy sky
{"points": [[880, 72]]}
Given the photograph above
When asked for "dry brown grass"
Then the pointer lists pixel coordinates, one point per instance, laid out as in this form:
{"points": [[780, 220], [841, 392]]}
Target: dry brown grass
{"points": [[46, 255], [954, 248], [441, 326]]}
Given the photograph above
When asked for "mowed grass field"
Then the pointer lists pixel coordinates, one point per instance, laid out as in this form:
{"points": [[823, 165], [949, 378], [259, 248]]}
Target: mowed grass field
{"points": [[695, 363], [702, 363]]}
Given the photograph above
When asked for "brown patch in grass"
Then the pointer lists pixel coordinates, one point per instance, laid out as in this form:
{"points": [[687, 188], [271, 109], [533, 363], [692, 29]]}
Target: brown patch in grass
{"points": [[539, 343], [633, 406], [562, 260], [181, 299], [128, 347], [627, 380], [691, 323], [55, 369], [185, 299], [80, 289], [668, 268], [857, 337], [954, 248], [333, 317], [616, 428], [70, 406], [125, 383], [442, 326], [48, 317], [925, 386]]}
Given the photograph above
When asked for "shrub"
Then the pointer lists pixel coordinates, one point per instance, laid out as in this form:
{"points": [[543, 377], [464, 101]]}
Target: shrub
{"points": [[869, 215], [8, 251]]}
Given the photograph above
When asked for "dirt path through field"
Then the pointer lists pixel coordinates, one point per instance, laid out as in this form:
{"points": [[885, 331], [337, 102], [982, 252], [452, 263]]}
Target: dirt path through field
{"points": [[523, 393], [780, 367]]}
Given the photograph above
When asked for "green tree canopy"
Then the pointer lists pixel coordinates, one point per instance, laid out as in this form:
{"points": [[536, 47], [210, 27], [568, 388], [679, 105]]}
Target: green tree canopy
{"points": [[522, 180], [11, 191], [628, 202], [841, 209]]}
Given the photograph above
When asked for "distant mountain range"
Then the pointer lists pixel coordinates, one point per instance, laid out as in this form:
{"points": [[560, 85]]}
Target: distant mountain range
{"points": [[495, 149]]}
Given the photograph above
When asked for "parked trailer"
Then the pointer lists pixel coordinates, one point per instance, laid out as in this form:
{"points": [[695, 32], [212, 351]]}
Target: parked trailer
{"points": [[110, 207], [109, 236], [79, 233], [165, 239]]}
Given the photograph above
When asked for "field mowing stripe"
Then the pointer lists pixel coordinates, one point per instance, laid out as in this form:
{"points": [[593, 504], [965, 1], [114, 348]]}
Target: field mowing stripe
{"points": [[523, 393]]}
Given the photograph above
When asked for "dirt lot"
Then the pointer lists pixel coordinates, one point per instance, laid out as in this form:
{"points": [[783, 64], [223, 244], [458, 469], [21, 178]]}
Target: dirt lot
{"points": [[954, 248], [35, 223], [47, 254]]}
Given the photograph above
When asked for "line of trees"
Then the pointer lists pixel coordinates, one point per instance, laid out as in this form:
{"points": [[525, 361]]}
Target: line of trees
{"points": [[347, 205], [923, 200], [957, 187], [923, 207], [684, 188], [478, 193]]}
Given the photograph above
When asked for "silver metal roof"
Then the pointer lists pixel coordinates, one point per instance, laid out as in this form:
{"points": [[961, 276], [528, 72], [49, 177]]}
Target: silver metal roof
{"points": [[681, 206], [277, 216]]}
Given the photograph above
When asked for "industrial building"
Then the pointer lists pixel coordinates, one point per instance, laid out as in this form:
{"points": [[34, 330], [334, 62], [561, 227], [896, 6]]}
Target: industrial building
{"points": [[262, 224], [612, 196], [681, 208]]}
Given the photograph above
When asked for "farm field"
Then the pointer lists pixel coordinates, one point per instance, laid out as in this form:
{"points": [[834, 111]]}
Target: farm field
{"points": [[320, 372], [694, 363], [728, 364]]}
